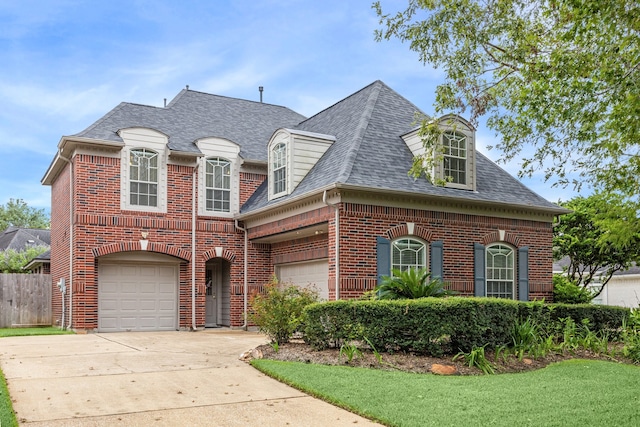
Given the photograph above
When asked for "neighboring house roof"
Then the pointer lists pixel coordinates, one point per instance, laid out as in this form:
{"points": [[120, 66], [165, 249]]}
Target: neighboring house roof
{"points": [[43, 258], [193, 115], [20, 239], [369, 153], [560, 265]]}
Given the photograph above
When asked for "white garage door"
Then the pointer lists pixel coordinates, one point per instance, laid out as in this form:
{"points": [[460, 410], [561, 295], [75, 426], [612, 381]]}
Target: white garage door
{"points": [[314, 274], [137, 297]]}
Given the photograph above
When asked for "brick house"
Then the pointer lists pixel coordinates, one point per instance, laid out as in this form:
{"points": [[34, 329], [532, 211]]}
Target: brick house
{"points": [[168, 218]]}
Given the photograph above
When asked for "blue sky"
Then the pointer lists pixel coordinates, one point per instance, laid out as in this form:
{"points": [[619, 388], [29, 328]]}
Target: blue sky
{"points": [[66, 63]]}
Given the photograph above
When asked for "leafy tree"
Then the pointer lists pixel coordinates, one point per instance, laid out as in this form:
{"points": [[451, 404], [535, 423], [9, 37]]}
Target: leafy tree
{"points": [[560, 77], [12, 261], [601, 236], [17, 213], [410, 284]]}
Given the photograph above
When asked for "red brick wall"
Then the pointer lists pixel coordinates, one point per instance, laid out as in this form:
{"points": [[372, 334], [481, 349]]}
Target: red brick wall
{"points": [[249, 182], [60, 243], [99, 222], [360, 225]]}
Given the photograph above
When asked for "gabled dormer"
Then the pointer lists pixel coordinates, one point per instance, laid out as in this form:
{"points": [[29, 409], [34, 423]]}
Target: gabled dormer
{"points": [[453, 161], [292, 154]]}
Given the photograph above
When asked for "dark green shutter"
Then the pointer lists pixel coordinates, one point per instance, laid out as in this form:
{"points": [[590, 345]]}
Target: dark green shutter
{"points": [[479, 270], [437, 249], [523, 274], [384, 257]]}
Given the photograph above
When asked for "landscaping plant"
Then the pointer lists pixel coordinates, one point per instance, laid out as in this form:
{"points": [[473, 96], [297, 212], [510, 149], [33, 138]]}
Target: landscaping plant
{"points": [[631, 336], [567, 292], [476, 357], [410, 284], [278, 311]]}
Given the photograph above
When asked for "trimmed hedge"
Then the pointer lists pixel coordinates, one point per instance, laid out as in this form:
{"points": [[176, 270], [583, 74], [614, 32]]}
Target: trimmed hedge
{"points": [[437, 326]]}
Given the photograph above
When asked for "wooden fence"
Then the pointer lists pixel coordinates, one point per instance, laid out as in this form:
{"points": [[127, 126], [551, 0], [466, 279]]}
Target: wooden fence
{"points": [[25, 300]]}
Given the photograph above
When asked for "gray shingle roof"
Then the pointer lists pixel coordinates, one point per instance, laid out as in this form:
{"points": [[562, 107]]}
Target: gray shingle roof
{"points": [[369, 152], [192, 115], [20, 239]]}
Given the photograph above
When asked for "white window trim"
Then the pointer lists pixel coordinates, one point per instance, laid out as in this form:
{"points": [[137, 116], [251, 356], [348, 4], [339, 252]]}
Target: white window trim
{"points": [[213, 147], [272, 170], [233, 189], [455, 124], [125, 181], [514, 270], [424, 245]]}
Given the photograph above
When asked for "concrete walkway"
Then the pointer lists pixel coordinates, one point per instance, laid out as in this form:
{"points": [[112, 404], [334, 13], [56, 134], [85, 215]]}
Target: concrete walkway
{"points": [[153, 378]]}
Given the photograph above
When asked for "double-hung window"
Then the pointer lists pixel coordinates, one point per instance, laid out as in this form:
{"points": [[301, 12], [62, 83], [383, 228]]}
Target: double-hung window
{"points": [[218, 185], [500, 271], [279, 168], [143, 177], [454, 145]]}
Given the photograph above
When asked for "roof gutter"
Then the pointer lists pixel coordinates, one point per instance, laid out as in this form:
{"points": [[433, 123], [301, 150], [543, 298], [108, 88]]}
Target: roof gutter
{"points": [[408, 194], [69, 142]]}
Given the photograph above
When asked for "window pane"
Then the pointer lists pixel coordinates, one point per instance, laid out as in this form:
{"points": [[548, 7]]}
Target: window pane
{"points": [[500, 271], [455, 157], [408, 253]]}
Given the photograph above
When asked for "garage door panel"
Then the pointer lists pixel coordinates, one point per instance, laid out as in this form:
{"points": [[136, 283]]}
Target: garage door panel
{"points": [[148, 288], [314, 275], [137, 297]]}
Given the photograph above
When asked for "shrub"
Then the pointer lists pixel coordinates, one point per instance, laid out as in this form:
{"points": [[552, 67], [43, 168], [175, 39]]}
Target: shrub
{"points": [[438, 326], [278, 311], [410, 284], [631, 336], [565, 291]]}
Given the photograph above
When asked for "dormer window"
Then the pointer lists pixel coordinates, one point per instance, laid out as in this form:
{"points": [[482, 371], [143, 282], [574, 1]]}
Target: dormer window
{"points": [[143, 177], [451, 160], [279, 168], [292, 154], [454, 145], [218, 185]]}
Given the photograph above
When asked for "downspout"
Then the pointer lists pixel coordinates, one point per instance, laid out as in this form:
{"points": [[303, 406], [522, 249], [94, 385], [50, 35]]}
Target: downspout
{"points": [[246, 283], [337, 242], [193, 245], [70, 163]]}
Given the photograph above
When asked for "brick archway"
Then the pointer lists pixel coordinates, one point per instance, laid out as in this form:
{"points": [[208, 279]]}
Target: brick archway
{"points": [[219, 253], [403, 230], [495, 236], [137, 246]]}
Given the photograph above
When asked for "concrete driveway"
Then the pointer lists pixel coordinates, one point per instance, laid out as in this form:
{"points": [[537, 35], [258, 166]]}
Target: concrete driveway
{"points": [[153, 378]]}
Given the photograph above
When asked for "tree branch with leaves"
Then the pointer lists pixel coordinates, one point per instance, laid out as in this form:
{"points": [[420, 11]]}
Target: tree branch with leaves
{"points": [[556, 78]]}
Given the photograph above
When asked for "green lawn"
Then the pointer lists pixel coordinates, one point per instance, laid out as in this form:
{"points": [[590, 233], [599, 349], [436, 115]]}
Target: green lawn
{"points": [[20, 332], [571, 393], [7, 416]]}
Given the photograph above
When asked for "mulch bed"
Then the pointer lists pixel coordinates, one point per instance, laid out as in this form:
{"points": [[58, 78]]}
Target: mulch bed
{"points": [[406, 362]]}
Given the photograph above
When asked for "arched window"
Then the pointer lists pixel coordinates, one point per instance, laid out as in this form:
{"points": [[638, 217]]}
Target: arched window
{"points": [[408, 253], [143, 177], [455, 157], [279, 168], [218, 185], [500, 271]]}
